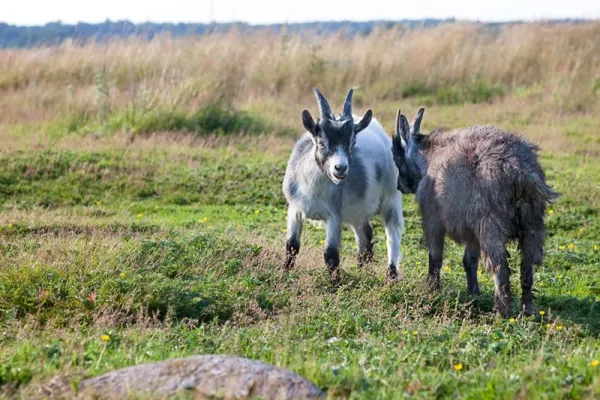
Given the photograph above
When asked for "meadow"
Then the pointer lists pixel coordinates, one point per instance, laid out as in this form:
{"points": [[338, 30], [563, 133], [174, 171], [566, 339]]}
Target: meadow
{"points": [[142, 218]]}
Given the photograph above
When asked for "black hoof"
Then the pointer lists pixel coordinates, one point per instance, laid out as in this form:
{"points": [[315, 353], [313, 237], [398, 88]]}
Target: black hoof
{"points": [[527, 308], [502, 308], [292, 248], [434, 283], [365, 258], [392, 273], [289, 263], [474, 290], [334, 275]]}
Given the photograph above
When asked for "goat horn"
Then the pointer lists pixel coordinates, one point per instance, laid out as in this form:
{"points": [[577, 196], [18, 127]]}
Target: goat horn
{"points": [[348, 104], [324, 108], [415, 124]]}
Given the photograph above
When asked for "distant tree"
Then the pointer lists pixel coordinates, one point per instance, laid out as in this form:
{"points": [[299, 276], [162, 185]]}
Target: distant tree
{"points": [[56, 32]]}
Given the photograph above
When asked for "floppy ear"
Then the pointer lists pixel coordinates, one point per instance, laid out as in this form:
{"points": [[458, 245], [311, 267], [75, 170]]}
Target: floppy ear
{"points": [[364, 122], [415, 124], [309, 123]]}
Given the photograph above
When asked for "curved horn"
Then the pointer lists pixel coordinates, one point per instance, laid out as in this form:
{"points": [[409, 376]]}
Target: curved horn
{"points": [[397, 132], [348, 105], [415, 124], [323, 105]]}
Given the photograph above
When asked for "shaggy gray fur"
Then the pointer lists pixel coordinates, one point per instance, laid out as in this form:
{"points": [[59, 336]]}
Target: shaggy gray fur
{"points": [[482, 187]]}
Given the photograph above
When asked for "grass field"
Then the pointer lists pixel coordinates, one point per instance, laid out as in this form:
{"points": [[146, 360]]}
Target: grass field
{"points": [[124, 239]]}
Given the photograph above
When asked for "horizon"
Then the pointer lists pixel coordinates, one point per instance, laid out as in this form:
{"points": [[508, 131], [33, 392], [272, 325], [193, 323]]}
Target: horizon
{"points": [[450, 19], [269, 12]]}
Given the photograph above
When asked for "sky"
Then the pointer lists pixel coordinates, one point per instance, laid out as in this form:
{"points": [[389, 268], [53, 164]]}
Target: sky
{"points": [[36, 12]]}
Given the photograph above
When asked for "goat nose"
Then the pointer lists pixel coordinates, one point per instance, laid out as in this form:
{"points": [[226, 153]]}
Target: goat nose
{"points": [[341, 168]]}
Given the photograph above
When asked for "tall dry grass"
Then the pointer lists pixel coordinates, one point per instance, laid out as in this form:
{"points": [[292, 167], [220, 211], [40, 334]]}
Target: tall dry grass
{"points": [[559, 64]]}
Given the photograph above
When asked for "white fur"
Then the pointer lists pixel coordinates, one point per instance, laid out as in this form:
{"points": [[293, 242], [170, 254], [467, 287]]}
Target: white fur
{"points": [[315, 197], [340, 158]]}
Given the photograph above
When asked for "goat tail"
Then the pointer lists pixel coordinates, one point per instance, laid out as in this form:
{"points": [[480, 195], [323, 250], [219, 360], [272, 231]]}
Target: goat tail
{"points": [[533, 188], [534, 195]]}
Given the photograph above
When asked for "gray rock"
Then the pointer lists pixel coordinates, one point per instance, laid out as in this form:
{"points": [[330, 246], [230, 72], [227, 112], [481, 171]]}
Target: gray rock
{"points": [[204, 377]]}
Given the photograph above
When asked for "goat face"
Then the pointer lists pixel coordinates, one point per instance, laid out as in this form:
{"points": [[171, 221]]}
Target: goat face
{"points": [[334, 137], [406, 150]]}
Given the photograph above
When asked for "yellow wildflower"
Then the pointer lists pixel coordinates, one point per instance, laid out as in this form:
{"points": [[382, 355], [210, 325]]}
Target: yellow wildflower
{"points": [[550, 211], [458, 367], [561, 247], [512, 320], [559, 277], [559, 327], [479, 273], [548, 325], [571, 246], [203, 220], [284, 230], [256, 212], [447, 268], [123, 275], [405, 332], [542, 313], [140, 215], [321, 241], [594, 363], [596, 247], [415, 333], [105, 338]]}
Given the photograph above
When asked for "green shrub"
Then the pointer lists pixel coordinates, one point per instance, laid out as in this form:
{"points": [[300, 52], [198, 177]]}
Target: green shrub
{"points": [[211, 119], [217, 119], [478, 91]]}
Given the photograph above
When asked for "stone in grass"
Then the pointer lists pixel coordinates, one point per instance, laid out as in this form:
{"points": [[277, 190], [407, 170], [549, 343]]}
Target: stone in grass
{"points": [[203, 377]]}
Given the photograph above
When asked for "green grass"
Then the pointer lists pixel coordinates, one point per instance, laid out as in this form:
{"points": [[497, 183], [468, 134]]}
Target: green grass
{"points": [[477, 91], [175, 250], [215, 119]]}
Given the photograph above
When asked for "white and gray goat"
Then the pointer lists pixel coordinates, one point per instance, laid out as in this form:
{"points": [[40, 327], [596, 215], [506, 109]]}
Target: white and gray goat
{"points": [[342, 171]]}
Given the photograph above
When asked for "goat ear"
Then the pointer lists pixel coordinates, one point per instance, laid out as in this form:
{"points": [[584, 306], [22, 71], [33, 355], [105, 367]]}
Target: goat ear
{"points": [[415, 124], [364, 122], [398, 147], [402, 129], [309, 123]]}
